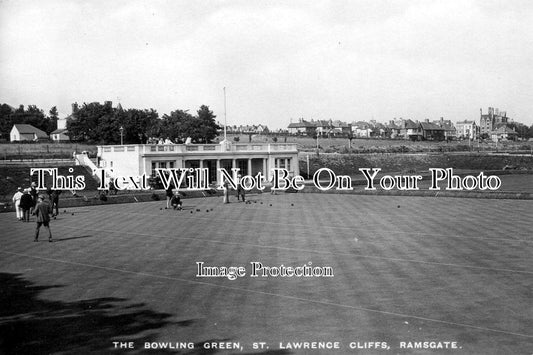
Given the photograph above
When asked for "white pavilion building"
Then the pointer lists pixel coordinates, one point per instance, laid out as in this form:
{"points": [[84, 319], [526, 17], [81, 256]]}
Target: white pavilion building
{"points": [[250, 158]]}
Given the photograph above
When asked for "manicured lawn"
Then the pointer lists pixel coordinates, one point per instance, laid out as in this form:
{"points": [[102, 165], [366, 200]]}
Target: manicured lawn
{"points": [[406, 269]]}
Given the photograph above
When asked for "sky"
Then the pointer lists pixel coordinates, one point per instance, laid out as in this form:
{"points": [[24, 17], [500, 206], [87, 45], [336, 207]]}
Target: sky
{"points": [[277, 60]]}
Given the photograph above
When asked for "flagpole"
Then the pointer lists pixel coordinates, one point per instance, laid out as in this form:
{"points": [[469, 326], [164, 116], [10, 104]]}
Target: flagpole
{"points": [[225, 115]]}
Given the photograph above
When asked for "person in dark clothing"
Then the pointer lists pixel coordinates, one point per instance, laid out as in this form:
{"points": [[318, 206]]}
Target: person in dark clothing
{"points": [[55, 202], [169, 194], [34, 194], [175, 201], [26, 203], [53, 197], [42, 210], [112, 187], [240, 190]]}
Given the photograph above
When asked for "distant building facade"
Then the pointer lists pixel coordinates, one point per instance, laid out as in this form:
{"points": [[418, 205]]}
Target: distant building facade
{"points": [[450, 130], [431, 131], [61, 133], [302, 127], [411, 130], [361, 129], [490, 121], [26, 132], [503, 133], [467, 129], [247, 129]]}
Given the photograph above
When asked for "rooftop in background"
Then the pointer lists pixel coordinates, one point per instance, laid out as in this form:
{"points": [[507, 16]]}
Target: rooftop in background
{"points": [[29, 129]]}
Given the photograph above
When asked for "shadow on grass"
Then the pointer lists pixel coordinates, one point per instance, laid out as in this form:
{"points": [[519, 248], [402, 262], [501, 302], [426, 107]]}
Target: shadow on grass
{"points": [[72, 238], [30, 325], [272, 352]]}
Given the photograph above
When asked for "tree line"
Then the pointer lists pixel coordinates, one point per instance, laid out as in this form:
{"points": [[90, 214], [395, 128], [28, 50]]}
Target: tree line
{"points": [[26, 115], [101, 123], [104, 124]]}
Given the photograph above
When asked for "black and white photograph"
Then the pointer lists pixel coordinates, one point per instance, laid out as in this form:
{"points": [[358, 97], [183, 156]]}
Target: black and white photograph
{"points": [[266, 177]]}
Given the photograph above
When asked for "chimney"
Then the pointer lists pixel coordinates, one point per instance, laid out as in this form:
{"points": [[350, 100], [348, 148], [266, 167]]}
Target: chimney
{"points": [[75, 107]]}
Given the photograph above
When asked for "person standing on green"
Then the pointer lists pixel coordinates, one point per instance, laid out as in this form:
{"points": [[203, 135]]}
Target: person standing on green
{"points": [[42, 210], [26, 203], [225, 189]]}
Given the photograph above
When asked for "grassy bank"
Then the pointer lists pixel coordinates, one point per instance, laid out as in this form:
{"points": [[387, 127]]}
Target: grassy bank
{"points": [[378, 145], [48, 150], [19, 176], [348, 164]]}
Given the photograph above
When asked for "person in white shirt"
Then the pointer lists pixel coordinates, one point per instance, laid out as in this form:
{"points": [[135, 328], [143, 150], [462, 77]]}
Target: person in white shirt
{"points": [[16, 201]]}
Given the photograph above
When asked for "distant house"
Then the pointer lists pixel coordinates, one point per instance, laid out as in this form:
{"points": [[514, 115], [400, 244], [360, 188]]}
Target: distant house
{"points": [[503, 133], [261, 129], [431, 131], [449, 129], [342, 127], [26, 132], [466, 129], [324, 128], [378, 129], [247, 129], [394, 129], [361, 129], [302, 127], [60, 135], [411, 130]]}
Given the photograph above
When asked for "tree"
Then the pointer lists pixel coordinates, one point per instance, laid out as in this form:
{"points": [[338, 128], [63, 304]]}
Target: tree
{"points": [[99, 123], [6, 121], [94, 122], [208, 126], [31, 115], [180, 124], [520, 128], [138, 125], [52, 119]]}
